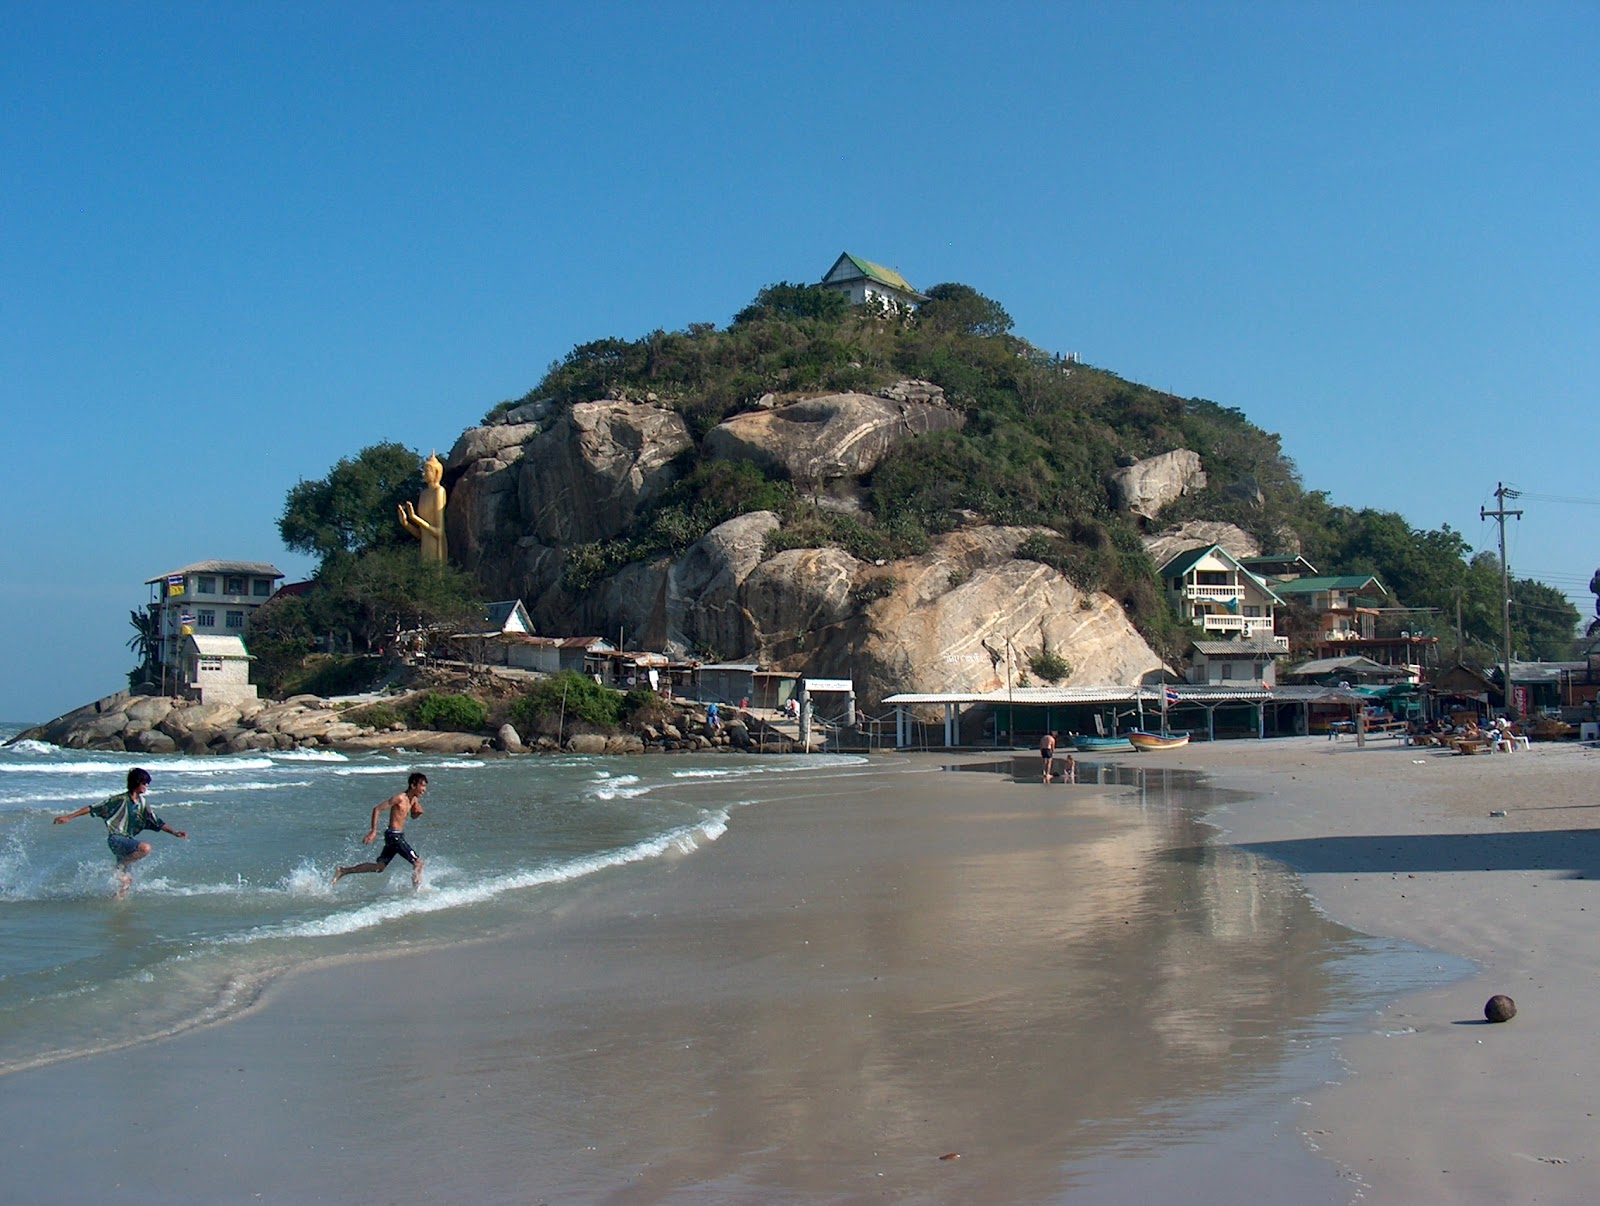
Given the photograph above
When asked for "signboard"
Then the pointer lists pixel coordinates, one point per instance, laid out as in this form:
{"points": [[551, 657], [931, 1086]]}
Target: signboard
{"points": [[842, 685]]}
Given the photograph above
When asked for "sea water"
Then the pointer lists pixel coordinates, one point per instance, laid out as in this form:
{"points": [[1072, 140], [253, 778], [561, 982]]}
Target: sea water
{"points": [[212, 919]]}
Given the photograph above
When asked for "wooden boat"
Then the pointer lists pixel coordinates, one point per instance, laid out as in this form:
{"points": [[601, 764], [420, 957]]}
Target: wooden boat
{"points": [[1147, 742], [1096, 745]]}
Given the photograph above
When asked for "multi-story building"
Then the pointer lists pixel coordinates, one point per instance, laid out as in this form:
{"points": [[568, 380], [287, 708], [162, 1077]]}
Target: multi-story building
{"points": [[1210, 588], [208, 598]]}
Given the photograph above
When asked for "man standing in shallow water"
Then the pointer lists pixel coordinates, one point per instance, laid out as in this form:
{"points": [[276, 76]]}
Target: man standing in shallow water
{"points": [[402, 807], [126, 815]]}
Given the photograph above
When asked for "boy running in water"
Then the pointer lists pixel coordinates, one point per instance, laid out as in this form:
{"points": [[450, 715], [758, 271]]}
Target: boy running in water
{"points": [[126, 815], [402, 807]]}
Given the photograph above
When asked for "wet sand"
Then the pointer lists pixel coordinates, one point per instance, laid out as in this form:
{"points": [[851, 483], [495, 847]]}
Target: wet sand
{"points": [[1439, 1105], [845, 988]]}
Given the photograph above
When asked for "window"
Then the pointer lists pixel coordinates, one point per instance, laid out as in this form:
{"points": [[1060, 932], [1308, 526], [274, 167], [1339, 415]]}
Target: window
{"points": [[1225, 670], [206, 585], [211, 665], [205, 618], [233, 585], [1252, 611], [261, 587], [236, 620]]}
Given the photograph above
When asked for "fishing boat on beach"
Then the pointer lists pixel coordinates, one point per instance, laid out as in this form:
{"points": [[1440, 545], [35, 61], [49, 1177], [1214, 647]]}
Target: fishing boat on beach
{"points": [[1098, 745], [1148, 742]]}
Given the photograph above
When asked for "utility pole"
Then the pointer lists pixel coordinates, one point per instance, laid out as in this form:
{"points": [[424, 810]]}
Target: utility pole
{"points": [[1501, 493]]}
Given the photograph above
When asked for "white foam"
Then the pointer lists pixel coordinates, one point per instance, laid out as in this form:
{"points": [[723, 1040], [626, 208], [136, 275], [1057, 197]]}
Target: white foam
{"points": [[404, 902], [30, 746], [308, 756]]}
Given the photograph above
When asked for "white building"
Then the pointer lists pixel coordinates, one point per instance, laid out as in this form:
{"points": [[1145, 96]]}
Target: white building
{"points": [[208, 598], [215, 669], [1210, 588], [862, 281]]}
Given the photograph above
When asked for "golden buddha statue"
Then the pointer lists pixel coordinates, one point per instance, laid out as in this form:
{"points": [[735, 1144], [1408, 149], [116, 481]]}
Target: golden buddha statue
{"points": [[425, 521]]}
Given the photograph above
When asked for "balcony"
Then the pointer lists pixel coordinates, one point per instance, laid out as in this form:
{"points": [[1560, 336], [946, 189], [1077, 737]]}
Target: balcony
{"points": [[1223, 594], [1224, 623]]}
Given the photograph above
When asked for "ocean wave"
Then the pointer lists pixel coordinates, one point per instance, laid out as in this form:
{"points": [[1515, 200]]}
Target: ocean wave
{"points": [[309, 756], [31, 746], [683, 840], [158, 764]]}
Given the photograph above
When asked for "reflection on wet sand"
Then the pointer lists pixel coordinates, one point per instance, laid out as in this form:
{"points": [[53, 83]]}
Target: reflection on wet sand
{"points": [[1042, 972]]}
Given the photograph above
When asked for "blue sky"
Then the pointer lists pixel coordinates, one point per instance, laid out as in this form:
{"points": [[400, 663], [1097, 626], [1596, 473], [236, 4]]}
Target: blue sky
{"points": [[243, 241]]}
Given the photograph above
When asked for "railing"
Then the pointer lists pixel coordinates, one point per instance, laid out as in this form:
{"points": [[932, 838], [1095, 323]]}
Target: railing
{"points": [[1196, 591], [1223, 623]]}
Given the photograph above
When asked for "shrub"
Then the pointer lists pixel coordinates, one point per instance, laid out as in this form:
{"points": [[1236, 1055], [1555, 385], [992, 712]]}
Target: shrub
{"points": [[454, 713], [879, 587], [567, 696], [1049, 666], [376, 716]]}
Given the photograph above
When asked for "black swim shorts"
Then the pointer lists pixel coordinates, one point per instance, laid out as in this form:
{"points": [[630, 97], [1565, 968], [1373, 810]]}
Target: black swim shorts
{"points": [[394, 843]]}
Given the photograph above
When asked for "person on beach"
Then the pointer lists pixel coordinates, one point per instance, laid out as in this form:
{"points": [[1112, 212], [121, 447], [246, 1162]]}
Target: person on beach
{"points": [[402, 808], [126, 816], [1047, 754], [1069, 769]]}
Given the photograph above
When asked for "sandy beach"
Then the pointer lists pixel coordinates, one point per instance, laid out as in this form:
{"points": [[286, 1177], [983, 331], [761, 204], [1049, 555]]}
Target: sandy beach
{"points": [[849, 986]]}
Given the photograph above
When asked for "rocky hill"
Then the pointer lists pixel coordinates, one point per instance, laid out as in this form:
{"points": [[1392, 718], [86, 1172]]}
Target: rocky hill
{"points": [[535, 482]]}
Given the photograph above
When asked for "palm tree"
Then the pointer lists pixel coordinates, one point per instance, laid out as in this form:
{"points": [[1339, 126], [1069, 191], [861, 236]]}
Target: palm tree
{"points": [[145, 636]]}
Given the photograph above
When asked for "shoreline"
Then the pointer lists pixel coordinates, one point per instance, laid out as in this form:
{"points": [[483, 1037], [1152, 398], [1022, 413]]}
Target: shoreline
{"points": [[713, 1007], [1438, 1104]]}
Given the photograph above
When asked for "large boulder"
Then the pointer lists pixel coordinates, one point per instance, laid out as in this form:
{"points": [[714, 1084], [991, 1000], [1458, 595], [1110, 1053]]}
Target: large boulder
{"points": [[1199, 534], [799, 601], [702, 604], [583, 477], [928, 623], [834, 436], [1147, 486]]}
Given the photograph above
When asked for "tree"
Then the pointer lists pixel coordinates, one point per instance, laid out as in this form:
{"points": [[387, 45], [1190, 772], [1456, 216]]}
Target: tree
{"points": [[784, 300], [144, 638], [352, 510], [961, 308], [381, 592]]}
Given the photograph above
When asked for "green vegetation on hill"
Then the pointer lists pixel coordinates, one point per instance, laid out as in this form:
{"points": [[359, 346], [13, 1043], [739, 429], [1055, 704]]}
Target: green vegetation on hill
{"points": [[1041, 434]]}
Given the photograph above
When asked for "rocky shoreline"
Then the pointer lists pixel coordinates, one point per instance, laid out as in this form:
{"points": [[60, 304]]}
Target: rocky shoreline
{"points": [[148, 724]]}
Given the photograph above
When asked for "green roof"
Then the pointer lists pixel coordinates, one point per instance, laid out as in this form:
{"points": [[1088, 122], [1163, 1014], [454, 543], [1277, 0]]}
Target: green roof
{"points": [[884, 276], [1311, 586]]}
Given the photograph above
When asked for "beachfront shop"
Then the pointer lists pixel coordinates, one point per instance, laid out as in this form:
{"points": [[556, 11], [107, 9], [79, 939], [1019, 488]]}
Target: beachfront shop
{"points": [[1019, 716]]}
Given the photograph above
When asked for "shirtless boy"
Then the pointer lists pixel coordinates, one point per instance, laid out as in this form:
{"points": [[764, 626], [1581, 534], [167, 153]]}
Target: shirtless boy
{"points": [[401, 808], [1047, 754]]}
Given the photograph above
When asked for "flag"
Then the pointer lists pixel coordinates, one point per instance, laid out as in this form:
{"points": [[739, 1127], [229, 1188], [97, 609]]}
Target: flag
{"points": [[1171, 696], [174, 584], [186, 618]]}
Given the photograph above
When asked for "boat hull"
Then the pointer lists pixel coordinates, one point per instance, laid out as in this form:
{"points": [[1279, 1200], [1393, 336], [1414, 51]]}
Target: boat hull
{"points": [[1149, 742], [1095, 745]]}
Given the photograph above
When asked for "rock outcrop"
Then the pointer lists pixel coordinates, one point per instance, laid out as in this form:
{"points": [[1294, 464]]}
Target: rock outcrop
{"points": [[929, 633], [1147, 487], [834, 436], [1198, 534]]}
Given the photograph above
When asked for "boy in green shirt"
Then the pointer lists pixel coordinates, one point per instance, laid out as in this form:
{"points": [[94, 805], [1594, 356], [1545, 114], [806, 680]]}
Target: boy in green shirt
{"points": [[126, 815]]}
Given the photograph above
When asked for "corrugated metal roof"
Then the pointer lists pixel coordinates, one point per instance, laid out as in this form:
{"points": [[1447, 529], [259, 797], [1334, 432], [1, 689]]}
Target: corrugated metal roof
{"points": [[219, 646], [1355, 663], [1088, 695], [884, 276], [1239, 648], [1307, 586], [259, 568]]}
